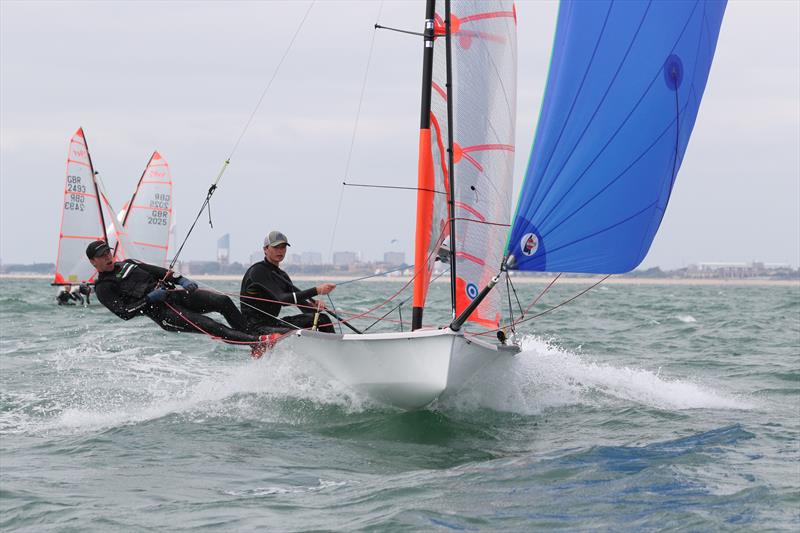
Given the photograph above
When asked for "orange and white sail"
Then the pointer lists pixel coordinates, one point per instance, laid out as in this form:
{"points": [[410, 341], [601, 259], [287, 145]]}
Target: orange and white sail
{"points": [[81, 216], [146, 219], [484, 55]]}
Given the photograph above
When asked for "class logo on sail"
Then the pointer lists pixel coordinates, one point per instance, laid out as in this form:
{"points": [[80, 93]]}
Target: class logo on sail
{"points": [[472, 291], [529, 244]]}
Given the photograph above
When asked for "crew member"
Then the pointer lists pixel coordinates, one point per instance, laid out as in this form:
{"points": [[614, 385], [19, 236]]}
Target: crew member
{"points": [[75, 292], [131, 288], [266, 281], [85, 289], [64, 296]]}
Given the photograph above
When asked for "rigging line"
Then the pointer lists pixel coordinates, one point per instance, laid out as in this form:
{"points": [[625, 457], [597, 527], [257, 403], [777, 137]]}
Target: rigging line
{"points": [[201, 330], [536, 300], [272, 79], [251, 306], [405, 286], [355, 128], [112, 214], [399, 306], [516, 296], [584, 291], [374, 275], [510, 307], [333, 307], [367, 185], [200, 212]]}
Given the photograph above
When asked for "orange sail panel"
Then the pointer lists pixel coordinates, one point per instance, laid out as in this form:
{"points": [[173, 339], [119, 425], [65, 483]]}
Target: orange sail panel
{"points": [[81, 217]]}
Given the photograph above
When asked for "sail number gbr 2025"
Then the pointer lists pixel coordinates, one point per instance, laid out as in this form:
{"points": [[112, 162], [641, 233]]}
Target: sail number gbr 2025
{"points": [[160, 210]]}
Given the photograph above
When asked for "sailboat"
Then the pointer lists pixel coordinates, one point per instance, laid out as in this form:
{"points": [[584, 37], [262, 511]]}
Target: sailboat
{"points": [[145, 221], [82, 218], [625, 84]]}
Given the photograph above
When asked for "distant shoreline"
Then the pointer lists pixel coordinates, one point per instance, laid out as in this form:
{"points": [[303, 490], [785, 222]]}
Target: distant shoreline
{"points": [[519, 280]]}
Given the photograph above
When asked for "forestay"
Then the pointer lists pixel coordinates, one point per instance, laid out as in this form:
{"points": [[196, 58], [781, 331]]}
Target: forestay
{"points": [[625, 85], [81, 216]]}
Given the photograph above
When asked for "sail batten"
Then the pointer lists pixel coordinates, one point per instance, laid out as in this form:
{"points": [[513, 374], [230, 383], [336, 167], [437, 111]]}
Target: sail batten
{"points": [[625, 85]]}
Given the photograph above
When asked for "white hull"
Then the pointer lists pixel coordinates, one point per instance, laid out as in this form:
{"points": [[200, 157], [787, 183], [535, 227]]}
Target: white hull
{"points": [[407, 370]]}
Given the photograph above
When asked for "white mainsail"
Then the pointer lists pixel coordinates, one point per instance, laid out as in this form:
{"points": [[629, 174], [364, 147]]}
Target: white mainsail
{"points": [[81, 216], [484, 59], [147, 219]]}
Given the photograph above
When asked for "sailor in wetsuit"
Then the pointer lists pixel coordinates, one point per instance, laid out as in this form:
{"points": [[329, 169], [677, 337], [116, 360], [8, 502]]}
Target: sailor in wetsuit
{"points": [[131, 288], [85, 289], [65, 296], [266, 281]]}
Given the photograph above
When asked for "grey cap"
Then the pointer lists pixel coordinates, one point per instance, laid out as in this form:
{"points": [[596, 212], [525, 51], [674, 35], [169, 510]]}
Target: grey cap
{"points": [[275, 238]]}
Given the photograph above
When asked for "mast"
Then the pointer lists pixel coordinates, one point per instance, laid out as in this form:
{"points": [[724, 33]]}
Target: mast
{"points": [[451, 180], [425, 171], [96, 189]]}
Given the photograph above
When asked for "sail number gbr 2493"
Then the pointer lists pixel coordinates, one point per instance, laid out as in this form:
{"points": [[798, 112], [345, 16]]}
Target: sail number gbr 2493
{"points": [[75, 200]]}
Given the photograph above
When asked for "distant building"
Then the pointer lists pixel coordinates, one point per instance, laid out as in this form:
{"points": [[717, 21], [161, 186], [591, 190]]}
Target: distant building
{"points": [[311, 258], [201, 267], [293, 259], [344, 258], [394, 258], [224, 249]]}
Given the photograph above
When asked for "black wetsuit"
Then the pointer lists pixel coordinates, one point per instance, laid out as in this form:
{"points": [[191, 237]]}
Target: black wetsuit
{"points": [[65, 298], [85, 290], [124, 292], [267, 281]]}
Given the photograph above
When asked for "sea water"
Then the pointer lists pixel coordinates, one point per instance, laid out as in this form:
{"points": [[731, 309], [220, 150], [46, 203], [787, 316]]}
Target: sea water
{"points": [[635, 407]]}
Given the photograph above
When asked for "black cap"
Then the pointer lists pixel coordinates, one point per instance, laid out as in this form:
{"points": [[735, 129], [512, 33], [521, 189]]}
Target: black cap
{"points": [[97, 248]]}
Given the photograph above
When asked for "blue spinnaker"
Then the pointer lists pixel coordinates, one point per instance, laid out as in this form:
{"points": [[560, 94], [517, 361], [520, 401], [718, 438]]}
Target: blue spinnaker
{"points": [[625, 85]]}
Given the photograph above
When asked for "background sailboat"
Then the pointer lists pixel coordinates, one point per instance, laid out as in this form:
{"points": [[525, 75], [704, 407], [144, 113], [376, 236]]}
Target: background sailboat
{"points": [[145, 221], [81, 217]]}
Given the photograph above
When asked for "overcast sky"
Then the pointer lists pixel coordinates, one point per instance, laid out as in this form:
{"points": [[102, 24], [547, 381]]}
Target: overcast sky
{"points": [[183, 77]]}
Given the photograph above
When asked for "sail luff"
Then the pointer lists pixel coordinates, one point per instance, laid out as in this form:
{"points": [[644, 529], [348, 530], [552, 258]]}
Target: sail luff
{"points": [[450, 165], [96, 189]]}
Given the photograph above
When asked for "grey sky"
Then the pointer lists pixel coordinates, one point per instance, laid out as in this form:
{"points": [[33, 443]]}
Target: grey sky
{"points": [[183, 77]]}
